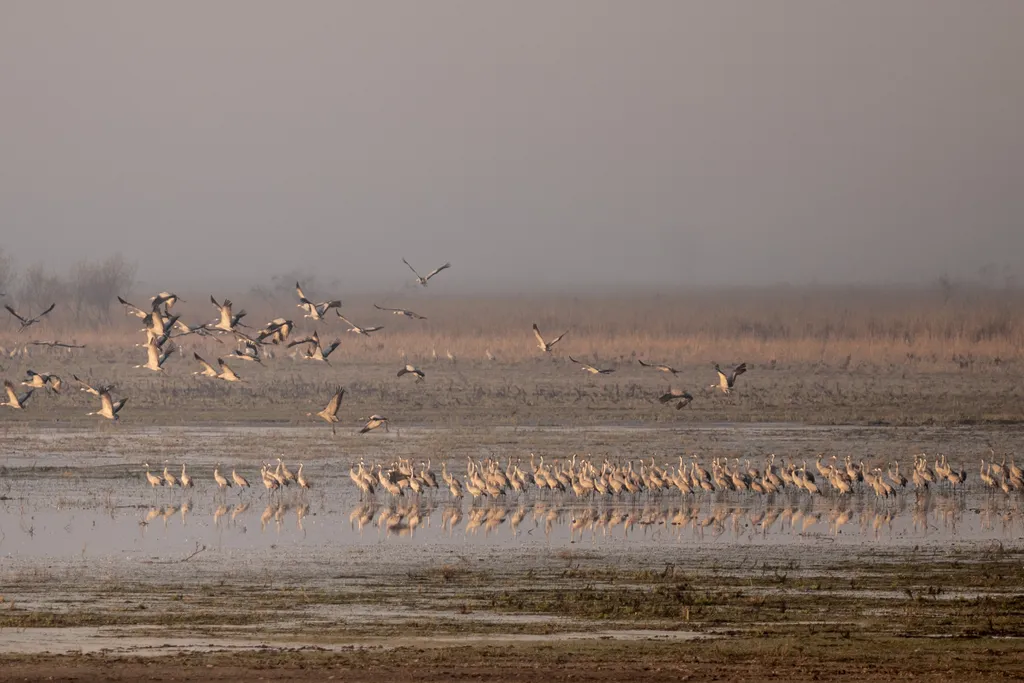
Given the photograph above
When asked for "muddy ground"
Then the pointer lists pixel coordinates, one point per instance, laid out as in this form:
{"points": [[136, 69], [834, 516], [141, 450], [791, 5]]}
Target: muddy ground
{"points": [[104, 578], [543, 391]]}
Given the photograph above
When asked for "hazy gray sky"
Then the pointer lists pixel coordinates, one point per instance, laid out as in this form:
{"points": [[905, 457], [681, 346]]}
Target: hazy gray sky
{"points": [[529, 141]]}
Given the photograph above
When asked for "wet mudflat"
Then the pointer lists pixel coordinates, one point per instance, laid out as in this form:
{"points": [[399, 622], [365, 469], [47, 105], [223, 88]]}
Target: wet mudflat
{"points": [[99, 566]]}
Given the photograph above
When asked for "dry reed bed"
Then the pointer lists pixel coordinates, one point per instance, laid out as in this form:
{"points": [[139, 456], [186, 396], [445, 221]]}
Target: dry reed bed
{"points": [[785, 325]]}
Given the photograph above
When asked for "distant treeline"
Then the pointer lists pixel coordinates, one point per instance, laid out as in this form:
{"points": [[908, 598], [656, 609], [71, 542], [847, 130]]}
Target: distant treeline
{"points": [[85, 292]]}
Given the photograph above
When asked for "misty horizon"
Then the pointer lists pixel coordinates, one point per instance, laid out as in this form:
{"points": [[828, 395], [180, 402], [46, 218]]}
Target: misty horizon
{"points": [[576, 146]]}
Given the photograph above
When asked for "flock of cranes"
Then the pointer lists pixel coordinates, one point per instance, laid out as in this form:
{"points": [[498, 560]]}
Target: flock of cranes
{"points": [[584, 479], [481, 479], [273, 478], [600, 497], [161, 325], [540, 483]]}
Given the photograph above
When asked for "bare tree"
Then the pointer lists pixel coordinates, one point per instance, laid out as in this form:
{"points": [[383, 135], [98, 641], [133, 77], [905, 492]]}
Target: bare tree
{"points": [[6, 273], [40, 288], [946, 288], [282, 286], [95, 286]]}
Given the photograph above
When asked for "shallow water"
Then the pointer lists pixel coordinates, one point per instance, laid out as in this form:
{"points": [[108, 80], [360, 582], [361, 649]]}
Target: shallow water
{"points": [[81, 495], [175, 521], [81, 531]]}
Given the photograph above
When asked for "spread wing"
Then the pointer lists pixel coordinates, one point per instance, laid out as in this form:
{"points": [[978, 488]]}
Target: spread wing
{"points": [[182, 327], [298, 290], [132, 308], [38, 317], [345, 320], [659, 366], [393, 310], [164, 298], [536, 333], [169, 323], [373, 329], [84, 386], [251, 347], [227, 372], [737, 371], [723, 379], [14, 313], [225, 313], [558, 338], [411, 268], [92, 390], [335, 402], [249, 342], [327, 351], [586, 366], [438, 270], [207, 368], [108, 406], [11, 396]]}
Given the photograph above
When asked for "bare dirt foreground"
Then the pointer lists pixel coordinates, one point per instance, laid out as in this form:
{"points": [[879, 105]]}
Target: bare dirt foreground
{"points": [[749, 660]]}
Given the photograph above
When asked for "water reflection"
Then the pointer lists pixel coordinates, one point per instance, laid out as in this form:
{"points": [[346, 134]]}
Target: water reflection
{"points": [[938, 517], [927, 516]]}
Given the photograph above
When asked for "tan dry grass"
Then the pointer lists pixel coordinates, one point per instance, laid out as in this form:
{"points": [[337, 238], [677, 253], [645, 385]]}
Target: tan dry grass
{"points": [[784, 324]]}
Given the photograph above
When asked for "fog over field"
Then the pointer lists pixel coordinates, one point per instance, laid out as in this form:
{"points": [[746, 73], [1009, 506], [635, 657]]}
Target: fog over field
{"points": [[532, 144]]}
